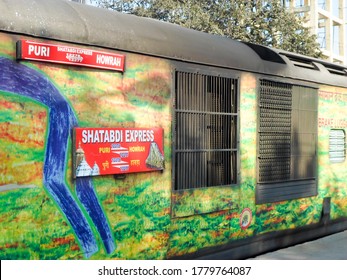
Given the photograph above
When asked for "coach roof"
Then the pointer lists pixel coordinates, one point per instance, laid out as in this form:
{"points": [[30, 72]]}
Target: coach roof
{"points": [[77, 23]]}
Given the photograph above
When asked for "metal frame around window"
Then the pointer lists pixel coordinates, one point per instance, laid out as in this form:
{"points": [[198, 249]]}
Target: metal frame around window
{"points": [[205, 131]]}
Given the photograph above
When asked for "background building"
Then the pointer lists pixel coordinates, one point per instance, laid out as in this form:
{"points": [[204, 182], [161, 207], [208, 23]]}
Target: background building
{"points": [[79, 1], [327, 19]]}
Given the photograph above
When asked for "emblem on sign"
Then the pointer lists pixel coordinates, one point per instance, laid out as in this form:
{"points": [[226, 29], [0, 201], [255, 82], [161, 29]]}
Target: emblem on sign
{"points": [[245, 218]]}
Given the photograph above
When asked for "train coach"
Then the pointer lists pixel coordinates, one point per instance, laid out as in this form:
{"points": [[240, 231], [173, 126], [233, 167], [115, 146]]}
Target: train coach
{"points": [[128, 138]]}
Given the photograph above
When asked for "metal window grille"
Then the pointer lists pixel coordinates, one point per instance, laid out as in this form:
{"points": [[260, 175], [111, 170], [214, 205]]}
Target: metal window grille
{"points": [[205, 131], [275, 105], [287, 134], [337, 146]]}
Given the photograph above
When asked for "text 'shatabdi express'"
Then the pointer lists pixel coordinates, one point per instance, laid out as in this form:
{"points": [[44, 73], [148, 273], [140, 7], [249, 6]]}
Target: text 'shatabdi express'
{"points": [[116, 136]]}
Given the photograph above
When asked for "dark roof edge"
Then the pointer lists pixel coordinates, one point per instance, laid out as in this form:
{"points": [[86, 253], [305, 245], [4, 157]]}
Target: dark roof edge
{"points": [[82, 24]]}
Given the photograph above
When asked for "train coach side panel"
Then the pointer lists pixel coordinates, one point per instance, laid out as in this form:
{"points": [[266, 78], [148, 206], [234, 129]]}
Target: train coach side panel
{"points": [[215, 216], [332, 163], [331, 199], [45, 213]]}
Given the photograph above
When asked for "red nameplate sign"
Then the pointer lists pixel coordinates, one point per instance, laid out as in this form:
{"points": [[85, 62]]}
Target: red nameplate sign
{"points": [[29, 50], [101, 151]]}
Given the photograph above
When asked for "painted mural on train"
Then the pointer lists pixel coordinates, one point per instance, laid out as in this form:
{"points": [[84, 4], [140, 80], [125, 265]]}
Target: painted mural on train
{"points": [[46, 213]]}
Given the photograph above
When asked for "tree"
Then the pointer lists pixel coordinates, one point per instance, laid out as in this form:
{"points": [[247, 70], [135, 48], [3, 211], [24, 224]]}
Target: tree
{"points": [[261, 22]]}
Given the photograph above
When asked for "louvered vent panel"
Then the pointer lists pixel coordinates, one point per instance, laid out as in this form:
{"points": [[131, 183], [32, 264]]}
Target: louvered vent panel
{"points": [[337, 143], [274, 131]]}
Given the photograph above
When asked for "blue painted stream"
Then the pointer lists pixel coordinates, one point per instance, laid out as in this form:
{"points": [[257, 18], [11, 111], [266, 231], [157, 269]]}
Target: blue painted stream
{"points": [[21, 80]]}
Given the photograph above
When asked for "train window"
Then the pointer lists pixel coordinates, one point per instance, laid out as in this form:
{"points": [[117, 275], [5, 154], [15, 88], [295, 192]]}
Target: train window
{"points": [[337, 145], [287, 137], [205, 131]]}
